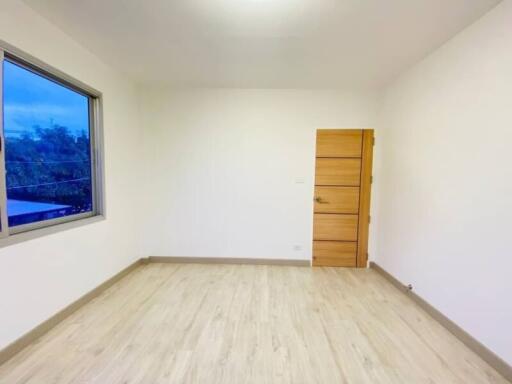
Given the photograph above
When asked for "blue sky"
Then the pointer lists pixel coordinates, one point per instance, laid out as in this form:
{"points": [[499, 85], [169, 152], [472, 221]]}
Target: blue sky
{"points": [[30, 100]]}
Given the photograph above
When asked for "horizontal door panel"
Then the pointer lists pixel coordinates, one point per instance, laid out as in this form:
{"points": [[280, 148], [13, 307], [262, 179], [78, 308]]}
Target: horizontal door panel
{"points": [[334, 253], [337, 200], [335, 227], [343, 172], [339, 142]]}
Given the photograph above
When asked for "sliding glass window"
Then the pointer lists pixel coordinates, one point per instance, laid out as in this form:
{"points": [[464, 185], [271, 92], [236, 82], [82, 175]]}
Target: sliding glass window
{"points": [[48, 157]]}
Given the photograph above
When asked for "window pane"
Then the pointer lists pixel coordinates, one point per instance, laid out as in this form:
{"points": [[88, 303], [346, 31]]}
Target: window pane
{"points": [[47, 148]]}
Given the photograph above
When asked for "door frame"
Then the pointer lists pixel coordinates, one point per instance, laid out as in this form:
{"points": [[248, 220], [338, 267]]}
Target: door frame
{"points": [[365, 184], [365, 188]]}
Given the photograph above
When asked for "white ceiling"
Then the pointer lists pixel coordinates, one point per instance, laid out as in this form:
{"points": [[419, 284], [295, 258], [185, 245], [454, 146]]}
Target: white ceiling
{"points": [[262, 43]]}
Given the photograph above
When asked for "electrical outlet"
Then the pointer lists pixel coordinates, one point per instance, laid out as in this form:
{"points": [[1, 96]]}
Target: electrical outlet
{"points": [[297, 247]]}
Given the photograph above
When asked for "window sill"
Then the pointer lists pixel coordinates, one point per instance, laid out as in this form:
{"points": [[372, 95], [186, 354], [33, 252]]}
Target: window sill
{"points": [[50, 230]]}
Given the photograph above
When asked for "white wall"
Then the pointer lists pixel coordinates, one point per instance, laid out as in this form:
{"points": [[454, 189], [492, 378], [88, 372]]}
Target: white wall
{"points": [[41, 276], [229, 173], [446, 181], [232, 170]]}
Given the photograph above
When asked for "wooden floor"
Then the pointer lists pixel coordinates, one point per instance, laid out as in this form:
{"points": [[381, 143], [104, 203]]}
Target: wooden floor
{"points": [[177, 323]]}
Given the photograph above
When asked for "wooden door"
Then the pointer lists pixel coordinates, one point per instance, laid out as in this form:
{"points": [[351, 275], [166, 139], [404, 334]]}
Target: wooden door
{"points": [[342, 197]]}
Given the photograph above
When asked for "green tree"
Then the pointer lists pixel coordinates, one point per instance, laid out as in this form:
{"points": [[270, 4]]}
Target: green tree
{"points": [[49, 165]]}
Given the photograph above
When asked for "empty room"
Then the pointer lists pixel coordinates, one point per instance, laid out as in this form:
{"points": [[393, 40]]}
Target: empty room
{"points": [[255, 191]]}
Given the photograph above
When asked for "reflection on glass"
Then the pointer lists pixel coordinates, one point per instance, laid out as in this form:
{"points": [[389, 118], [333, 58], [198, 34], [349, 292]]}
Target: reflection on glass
{"points": [[47, 148]]}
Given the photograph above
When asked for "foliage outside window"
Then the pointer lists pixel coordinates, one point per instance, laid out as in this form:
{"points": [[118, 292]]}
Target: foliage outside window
{"points": [[48, 152]]}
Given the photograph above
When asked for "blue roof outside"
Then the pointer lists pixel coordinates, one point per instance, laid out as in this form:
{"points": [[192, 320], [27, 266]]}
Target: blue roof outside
{"points": [[20, 207]]}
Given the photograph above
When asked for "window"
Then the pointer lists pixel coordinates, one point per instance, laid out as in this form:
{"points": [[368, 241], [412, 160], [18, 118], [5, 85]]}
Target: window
{"points": [[48, 160]]}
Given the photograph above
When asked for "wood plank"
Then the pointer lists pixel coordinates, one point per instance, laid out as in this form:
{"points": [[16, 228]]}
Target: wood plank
{"points": [[46, 326], [335, 227], [231, 324], [364, 198], [337, 200], [476, 346], [334, 254], [338, 172], [339, 142]]}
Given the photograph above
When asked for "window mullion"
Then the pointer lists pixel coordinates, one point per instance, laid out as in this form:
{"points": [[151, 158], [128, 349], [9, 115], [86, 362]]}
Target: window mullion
{"points": [[3, 192]]}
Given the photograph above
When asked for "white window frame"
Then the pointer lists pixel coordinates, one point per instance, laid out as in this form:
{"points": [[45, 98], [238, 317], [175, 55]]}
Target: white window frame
{"points": [[96, 147]]}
